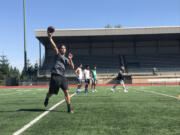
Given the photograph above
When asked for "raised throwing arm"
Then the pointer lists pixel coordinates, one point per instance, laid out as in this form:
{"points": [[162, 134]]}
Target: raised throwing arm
{"points": [[53, 43]]}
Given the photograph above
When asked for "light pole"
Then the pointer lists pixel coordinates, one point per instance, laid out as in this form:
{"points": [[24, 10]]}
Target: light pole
{"points": [[25, 53]]}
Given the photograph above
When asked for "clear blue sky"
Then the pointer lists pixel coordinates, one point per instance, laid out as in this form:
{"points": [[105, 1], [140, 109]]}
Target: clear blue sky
{"points": [[69, 14]]}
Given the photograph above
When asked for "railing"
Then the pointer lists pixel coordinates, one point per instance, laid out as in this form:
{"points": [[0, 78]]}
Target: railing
{"points": [[71, 72], [142, 71], [133, 71]]}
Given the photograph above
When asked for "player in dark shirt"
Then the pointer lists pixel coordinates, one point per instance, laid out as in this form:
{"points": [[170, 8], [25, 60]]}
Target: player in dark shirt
{"points": [[58, 79], [120, 79]]}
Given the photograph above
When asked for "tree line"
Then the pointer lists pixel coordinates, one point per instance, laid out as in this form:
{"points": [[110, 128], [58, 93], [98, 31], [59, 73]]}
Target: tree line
{"points": [[11, 75], [116, 26]]}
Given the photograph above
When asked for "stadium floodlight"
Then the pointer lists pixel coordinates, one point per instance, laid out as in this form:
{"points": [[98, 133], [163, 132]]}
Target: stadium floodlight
{"points": [[25, 53]]}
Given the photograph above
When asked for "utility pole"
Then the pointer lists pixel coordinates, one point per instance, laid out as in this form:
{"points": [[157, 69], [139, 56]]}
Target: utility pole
{"points": [[25, 53]]}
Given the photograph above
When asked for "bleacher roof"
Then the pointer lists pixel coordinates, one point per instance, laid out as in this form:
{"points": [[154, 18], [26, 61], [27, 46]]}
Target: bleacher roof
{"points": [[110, 31], [122, 33]]}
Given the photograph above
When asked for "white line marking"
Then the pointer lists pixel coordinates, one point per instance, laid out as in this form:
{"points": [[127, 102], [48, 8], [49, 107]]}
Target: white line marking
{"points": [[160, 94], [18, 132], [165, 80], [16, 92], [10, 93]]}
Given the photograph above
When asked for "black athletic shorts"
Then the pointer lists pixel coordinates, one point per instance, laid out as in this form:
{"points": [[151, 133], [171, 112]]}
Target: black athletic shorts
{"points": [[57, 82], [120, 78], [79, 81], [87, 81]]}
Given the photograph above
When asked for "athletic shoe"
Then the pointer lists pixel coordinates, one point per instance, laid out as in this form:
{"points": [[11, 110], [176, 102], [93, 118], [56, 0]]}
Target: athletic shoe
{"points": [[112, 90], [95, 90], [71, 112], [78, 91], [125, 91], [46, 102], [86, 91]]}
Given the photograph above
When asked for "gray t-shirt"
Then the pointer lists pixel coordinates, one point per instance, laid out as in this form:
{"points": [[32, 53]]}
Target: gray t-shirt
{"points": [[60, 64], [120, 75]]}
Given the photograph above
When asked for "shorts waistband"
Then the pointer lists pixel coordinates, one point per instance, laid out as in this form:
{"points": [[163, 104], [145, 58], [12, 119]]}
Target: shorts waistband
{"points": [[53, 74]]}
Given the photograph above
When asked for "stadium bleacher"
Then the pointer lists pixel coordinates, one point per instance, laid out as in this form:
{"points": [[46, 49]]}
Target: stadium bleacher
{"points": [[164, 63], [135, 64], [105, 64]]}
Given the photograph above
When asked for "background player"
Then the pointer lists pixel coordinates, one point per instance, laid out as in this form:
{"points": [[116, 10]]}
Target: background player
{"points": [[94, 79], [120, 79], [87, 77], [58, 79], [79, 75]]}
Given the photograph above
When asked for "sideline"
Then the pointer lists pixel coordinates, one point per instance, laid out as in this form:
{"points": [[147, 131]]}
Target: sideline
{"points": [[98, 85]]}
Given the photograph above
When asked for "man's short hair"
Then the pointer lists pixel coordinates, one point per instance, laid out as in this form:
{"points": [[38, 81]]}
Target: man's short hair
{"points": [[62, 44], [87, 66]]}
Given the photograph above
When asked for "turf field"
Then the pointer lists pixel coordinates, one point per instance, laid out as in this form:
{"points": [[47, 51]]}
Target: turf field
{"points": [[144, 110]]}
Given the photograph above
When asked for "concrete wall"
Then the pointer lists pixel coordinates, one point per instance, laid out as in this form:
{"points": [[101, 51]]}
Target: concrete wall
{"points": [[155, 79]]}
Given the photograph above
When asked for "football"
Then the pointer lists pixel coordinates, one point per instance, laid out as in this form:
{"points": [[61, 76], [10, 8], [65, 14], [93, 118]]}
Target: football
{"points": [[51, 29]]}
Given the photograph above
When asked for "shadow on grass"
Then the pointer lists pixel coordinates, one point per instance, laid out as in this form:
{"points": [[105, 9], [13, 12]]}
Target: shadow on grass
{"points": [[36, 110], [31, 110]]}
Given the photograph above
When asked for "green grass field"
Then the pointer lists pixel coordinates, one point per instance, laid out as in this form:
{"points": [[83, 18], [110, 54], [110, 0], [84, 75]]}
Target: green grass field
{"points": [[144, 110]]}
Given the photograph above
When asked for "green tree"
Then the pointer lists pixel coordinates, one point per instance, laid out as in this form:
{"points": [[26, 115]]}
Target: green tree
{"points": [[31, 73], [117, 26], [108, 26], [4, 65], [14, 72], [8, 74], [36, 68], [25, 72], [14, 76], [4, 69]]}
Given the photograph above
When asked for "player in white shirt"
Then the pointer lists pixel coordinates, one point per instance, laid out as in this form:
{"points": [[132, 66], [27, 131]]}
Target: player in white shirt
{"points": [[87, 77], [79, 75]]}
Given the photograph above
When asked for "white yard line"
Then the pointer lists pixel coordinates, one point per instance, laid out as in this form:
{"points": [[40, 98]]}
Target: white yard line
{"points": [[25, 127], [18, 91], [157, 93], [9, 93]]}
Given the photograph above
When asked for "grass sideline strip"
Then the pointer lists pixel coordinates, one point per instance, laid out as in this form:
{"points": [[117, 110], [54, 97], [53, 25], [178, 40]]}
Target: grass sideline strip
{"points": [[98, 85]]}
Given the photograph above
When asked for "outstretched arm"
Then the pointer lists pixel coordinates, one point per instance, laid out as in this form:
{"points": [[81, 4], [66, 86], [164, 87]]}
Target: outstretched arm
{"points": [[70, 56], [77, 71], [91, 75], [85, 74], [53, 43]]}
